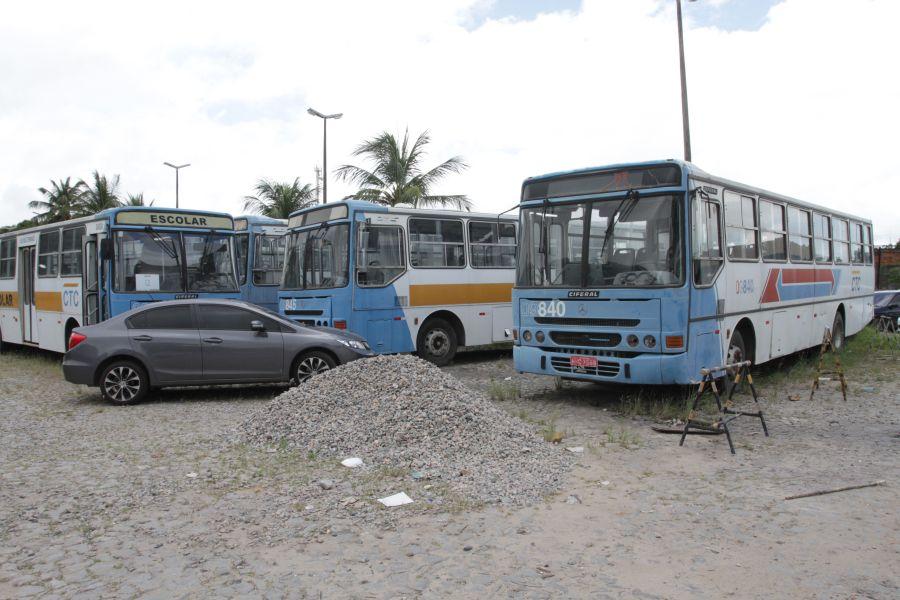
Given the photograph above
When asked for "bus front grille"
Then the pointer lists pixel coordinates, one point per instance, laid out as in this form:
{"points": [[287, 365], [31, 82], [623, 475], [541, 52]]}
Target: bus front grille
{"points": [[596, 339], [591, 352], [587, 322], [603, 369], [304, 313]]}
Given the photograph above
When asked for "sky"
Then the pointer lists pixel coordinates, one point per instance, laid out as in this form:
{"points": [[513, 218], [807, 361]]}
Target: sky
{"points": [[796, 96]]}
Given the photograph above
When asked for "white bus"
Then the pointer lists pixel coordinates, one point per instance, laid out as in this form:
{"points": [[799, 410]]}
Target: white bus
{"points": [[408, 280]]}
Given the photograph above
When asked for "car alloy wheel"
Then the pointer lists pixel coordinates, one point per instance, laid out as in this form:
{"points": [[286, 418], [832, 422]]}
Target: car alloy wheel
{"points": [[310, 366], [122, 384]]}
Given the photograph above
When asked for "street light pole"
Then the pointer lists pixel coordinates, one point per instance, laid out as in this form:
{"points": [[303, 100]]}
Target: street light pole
{"points": [[324, 118], [684, 101], [177, 168]]}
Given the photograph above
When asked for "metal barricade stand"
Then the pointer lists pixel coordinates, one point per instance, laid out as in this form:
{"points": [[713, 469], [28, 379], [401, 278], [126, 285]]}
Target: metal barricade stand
{"points": [[727, 413], [835, 370]]}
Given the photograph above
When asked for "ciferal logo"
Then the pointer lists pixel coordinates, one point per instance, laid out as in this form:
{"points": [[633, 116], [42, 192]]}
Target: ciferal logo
{"points": [[584, 294]]}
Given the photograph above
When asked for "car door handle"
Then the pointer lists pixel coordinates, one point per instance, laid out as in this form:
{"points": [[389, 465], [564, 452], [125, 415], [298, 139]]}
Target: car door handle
{"points": [[213, 340], [142, 338]]}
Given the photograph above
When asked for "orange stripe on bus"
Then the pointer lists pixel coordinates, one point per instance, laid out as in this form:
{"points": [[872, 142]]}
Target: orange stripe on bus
{"points": [[70, 285], [441, 294], [49, 301], [9, 299]]}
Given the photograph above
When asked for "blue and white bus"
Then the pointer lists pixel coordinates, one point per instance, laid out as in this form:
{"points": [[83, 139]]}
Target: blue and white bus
{"points": [[408, 280], [259, 254], [646, 273], [58, 276]]}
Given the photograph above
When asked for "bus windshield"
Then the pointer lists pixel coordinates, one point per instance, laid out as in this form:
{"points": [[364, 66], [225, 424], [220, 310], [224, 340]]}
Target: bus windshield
{"points": [[631, 241], [318, 258], [151, 261]]}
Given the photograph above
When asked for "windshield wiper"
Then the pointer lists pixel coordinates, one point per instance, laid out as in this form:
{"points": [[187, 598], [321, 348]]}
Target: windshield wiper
{"points": [[308, 247], [613, 221]]}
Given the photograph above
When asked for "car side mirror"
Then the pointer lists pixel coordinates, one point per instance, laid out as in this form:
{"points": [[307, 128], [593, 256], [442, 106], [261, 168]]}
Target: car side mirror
{"points": [[257, 326], [107, 249]]}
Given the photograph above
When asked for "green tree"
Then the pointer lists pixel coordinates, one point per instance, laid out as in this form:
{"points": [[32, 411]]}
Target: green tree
{"points": [[137, 200], [100, 194], [397, 176], [62, 201], [278, 200]]}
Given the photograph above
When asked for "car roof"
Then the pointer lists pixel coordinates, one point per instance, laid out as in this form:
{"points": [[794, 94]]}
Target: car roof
{"points": [[220, 301]]}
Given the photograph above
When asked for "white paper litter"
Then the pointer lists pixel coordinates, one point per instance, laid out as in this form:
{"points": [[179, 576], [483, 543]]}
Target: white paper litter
{"points": [[396, 500], [352, 462], [191, 475], [576, 449], [604, 483]]}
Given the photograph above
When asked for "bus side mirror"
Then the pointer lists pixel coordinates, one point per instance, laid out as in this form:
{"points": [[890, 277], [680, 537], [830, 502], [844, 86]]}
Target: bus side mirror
{"points": [[107, 249]]}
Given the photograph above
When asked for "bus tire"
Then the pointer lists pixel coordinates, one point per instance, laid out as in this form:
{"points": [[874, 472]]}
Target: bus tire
{"points": [[310, 364], [437, 342], [737, 348], [837, 332], [124, 382]]}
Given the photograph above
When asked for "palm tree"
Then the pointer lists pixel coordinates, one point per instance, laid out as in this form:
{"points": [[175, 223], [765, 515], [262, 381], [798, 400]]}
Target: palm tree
{"points": [[103, 193], [137, 200], [279, 200], [62, 201], [397, 176]]}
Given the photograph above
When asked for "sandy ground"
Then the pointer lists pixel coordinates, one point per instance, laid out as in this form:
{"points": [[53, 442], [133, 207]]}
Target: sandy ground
{"points": [[95, 501]]}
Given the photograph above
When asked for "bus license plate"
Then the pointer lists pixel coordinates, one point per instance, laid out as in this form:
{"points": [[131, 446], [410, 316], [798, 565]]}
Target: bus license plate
{"points": [[583, 362]]}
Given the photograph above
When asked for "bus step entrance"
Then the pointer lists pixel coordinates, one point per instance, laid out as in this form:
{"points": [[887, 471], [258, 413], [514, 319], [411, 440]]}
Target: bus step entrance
{"points": [[726, 411]]}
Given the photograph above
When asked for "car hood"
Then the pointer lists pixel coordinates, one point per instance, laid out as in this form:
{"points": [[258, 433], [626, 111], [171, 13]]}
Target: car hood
{"points": [[339, 333]]}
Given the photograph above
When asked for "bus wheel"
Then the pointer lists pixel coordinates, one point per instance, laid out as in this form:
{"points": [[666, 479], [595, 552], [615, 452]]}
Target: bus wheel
{"points": [[737, 349], [124, 382], [437, 342], [311, 364], [837, 333]]}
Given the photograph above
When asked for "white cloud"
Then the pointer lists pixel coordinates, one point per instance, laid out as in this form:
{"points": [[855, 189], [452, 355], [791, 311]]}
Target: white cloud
{"points": [[803, 106]]}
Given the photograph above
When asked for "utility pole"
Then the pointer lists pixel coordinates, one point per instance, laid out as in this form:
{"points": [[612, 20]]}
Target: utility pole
{"points": [[684, 100], [177, 168], [318, 183], [324, 118]]}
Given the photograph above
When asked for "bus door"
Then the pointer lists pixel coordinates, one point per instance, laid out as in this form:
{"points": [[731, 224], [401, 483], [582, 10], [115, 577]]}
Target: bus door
{"points": [[380, 260], [92, 301], [26, 285]]}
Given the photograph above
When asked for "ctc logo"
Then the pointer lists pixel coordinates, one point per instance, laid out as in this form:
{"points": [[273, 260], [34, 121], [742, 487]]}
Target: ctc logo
{"points": [[71, 298]]}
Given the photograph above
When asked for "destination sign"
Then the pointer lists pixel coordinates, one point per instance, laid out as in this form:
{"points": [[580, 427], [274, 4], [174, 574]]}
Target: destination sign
{"points": [[174, 219]]}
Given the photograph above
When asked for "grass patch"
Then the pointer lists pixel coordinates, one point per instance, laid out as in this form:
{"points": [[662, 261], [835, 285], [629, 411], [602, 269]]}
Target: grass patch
{"points": [[504, 390], [623, 437], [550, 433]]}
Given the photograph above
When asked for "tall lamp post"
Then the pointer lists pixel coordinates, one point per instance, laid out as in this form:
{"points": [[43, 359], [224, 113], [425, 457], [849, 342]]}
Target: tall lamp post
{"points": [[324, 118], [684, 101], [177, 168]]}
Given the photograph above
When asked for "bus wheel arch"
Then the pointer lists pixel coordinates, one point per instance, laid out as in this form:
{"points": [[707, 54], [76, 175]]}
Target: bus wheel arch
{"points": [[440, 336], [839, 329], [70, 325], [742, 345]]}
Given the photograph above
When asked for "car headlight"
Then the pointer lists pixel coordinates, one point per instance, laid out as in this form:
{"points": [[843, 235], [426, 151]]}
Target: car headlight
{"points": [[355, 344]]}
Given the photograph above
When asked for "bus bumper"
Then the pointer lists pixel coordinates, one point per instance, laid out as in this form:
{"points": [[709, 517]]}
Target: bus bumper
{"points": [[644, 369]]}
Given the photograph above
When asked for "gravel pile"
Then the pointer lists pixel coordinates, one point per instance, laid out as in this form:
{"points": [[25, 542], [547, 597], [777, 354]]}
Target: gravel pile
{"points": [[403, 412]]}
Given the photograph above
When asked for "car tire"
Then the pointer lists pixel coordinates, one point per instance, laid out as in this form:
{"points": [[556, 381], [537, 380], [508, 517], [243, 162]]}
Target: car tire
{"points": [[311, 364], [837, 333], [124, 382], [437, 342]]}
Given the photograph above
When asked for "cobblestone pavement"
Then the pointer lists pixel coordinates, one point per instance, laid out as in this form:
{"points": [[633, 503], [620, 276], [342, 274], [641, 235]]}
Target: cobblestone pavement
{"points": [[154, 501]]}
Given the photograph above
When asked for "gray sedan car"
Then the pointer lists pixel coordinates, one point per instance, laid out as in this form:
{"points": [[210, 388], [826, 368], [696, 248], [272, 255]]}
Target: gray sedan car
{"points": [[201, 342]]}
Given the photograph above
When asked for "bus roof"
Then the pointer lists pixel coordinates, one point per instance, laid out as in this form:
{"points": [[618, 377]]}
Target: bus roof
{"points": [[695, 172], [260, 220], [365, 206]]}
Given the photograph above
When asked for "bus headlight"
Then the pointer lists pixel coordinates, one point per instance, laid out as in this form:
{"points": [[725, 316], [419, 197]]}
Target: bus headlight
{"points": [[632, 340], [539, 337], [649, 341], [526, 335]]}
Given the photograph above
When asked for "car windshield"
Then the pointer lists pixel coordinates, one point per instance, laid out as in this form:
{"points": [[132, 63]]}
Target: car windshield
{"points": [[318, 258], [883, 298], [161, 261], [631, 241]]}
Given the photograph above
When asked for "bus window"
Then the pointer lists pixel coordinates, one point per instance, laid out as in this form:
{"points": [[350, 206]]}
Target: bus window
{"points": [[841, 235], [867, 244], [822, 238], [71, 251], [379, 255], [208, 263], [706, 237], [48, 254], [740, 226], [801, 236], [147, 263], [856, 252], [492, 245], [241, 256], [8, 258], [436, 243], [772, 231], [268, 261]]}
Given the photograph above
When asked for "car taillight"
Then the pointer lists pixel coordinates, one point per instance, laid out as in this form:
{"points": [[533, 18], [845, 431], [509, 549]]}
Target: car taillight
{"points": [[76, 338], [340, 324]]}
